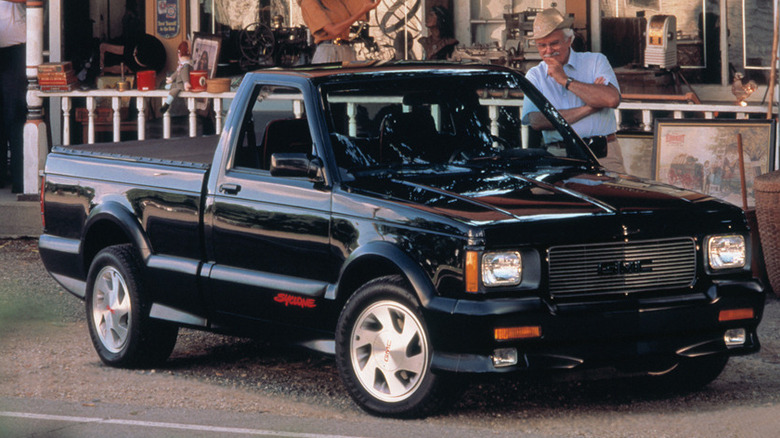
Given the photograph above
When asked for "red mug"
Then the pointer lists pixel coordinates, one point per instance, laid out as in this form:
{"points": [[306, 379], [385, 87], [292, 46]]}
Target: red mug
{"points": [[198, 80]]}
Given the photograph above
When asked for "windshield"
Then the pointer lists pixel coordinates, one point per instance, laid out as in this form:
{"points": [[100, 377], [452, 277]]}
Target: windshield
{"points": [[412, 119]]}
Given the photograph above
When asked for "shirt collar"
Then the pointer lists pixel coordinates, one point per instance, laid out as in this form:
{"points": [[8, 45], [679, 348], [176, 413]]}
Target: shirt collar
{"points": [[574, 59]]}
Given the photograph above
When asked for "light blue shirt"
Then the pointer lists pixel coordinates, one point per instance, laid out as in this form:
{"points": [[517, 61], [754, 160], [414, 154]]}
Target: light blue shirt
{"points": [[582, 67]]}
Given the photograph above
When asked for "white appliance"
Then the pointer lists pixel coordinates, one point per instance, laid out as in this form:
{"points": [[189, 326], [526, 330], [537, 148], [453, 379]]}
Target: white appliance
{"points": [[661, 41]]}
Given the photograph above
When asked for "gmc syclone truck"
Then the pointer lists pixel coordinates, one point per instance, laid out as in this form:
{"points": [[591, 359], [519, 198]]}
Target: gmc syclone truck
{"points": [[396, 217]]}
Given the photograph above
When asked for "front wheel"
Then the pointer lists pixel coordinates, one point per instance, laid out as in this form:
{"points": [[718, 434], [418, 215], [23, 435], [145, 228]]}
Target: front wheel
{"points": [[383, 351], [690, 374], [118, 307]]}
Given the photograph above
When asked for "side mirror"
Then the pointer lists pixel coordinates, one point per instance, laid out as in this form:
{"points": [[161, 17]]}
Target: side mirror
{"points": [[295, 165]]}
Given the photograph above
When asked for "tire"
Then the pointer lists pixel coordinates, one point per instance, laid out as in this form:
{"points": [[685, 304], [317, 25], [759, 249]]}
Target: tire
{"points": [[118, 307], [690, 374], [383, 351]]}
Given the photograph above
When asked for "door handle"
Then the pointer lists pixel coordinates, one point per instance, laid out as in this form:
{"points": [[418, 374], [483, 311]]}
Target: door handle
{"points": [[230, 189]]}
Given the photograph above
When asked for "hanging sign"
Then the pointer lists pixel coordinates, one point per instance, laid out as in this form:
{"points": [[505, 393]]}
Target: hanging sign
{"points": [[167, 18]]}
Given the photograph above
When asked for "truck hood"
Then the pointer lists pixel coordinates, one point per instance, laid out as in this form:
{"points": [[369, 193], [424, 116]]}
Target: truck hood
{"points": [[499, 199]]}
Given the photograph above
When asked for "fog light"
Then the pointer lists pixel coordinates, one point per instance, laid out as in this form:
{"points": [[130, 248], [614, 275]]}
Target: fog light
{"points": [[504, 357], [733, 337]]}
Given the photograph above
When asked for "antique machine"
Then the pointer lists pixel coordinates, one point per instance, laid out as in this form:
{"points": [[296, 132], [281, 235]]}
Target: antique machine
{"points": [[661, 39], [275, 45]]}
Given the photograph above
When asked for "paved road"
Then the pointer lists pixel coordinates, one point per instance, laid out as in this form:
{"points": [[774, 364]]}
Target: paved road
{"points": [[43, 418]]}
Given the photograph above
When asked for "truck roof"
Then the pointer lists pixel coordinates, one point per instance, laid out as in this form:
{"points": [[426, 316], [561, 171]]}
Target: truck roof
{"points": [[323, 72]]}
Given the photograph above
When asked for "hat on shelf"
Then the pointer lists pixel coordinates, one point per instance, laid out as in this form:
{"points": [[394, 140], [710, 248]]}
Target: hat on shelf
{"points": [[146, 53]]}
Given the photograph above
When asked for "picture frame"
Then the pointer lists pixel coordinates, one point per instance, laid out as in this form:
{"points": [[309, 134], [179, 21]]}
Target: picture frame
{"points": [[205, 53], [701, 155], [637, 150]]}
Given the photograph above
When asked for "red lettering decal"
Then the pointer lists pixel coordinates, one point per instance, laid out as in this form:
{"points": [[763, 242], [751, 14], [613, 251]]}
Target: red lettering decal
{"points": [[675, 138], [292, 300], [387, 350]]}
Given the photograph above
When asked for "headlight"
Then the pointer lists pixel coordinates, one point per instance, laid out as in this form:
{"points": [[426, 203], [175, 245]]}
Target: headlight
{"points": [[502, 268], [726, 252]]}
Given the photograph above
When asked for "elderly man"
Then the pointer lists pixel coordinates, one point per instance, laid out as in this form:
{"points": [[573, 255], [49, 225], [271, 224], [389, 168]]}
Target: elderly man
{"points": [[329, 22], [581, 85]]}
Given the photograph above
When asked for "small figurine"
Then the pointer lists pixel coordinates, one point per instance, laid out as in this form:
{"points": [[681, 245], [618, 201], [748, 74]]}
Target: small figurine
{"points": [[179, 79], [741, 90], [277, 22]]}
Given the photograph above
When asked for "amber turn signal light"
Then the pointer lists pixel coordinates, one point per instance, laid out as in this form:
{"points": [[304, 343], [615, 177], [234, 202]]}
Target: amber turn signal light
{"points": [[524, 332], [735, 314], [472, 272]]}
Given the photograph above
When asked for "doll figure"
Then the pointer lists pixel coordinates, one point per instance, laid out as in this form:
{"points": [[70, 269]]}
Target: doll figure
{"points": [[179, 79]]}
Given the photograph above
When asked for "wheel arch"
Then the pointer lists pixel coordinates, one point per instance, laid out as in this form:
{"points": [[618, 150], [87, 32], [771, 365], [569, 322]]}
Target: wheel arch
{"points": [[110, 224], [380, 259]]}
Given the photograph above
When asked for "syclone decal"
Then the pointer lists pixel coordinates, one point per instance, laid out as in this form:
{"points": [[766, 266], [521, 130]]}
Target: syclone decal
{"points": [[292, 300]]}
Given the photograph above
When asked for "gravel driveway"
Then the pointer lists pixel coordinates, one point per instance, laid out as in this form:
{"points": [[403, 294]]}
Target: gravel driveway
{"points": [[45, 353]]}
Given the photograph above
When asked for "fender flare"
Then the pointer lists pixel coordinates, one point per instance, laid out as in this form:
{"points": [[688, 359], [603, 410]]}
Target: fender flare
{"points": [[420, 282], [119, 215]]}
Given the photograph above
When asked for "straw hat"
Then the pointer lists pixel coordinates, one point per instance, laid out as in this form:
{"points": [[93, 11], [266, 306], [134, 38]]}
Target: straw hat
{"points": [[548, 21]]}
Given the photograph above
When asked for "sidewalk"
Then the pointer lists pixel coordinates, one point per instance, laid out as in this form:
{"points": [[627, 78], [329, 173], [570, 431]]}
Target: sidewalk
{"points": [[19, 218]]}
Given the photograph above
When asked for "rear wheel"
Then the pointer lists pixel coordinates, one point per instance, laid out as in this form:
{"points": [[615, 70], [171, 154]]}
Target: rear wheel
{"points": [[383, 351], [118, 312]]}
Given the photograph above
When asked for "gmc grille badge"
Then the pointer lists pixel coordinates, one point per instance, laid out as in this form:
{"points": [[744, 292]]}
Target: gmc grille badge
{"points": [[624, 267]]}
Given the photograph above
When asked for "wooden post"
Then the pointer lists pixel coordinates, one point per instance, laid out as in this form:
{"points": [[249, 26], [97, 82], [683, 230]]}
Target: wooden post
{"points": [[35, 139], [773, 64], [743, 185], [169, 39]]}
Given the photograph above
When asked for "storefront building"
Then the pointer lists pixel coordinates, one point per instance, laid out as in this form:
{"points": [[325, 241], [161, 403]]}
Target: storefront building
{"points": [[710, 40]]}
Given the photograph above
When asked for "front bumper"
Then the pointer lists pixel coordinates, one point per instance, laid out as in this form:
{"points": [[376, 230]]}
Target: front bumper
{"points": [[646, 334]]}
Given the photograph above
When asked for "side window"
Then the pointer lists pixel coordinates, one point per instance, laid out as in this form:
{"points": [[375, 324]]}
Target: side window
{"points": [[276, 123], [355, 129]]}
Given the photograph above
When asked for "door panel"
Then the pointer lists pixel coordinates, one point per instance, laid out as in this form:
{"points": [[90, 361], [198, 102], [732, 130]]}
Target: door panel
{"points": [[269, 252]]}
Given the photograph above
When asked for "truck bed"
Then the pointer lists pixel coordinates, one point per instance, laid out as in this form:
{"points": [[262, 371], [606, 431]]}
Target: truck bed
{"points": [[196, 150]]}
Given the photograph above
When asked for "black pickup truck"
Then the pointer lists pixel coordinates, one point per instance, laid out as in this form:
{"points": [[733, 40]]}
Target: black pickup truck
{"points": [[398, 217]]}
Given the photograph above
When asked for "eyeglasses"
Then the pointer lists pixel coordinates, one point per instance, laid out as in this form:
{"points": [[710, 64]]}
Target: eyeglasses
{"points": [[554, 45]]}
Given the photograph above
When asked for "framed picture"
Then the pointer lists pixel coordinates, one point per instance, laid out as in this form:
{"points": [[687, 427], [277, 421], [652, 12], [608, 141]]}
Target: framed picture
{"points": [[701, 155], [637, 149], [205, 53]]}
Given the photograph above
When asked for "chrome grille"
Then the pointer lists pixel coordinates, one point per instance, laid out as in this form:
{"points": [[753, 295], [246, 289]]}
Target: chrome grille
{"points": [[599, 269]]}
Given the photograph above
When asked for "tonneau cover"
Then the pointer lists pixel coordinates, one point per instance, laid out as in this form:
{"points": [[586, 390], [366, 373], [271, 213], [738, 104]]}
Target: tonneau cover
{"points": [[198, 150]]}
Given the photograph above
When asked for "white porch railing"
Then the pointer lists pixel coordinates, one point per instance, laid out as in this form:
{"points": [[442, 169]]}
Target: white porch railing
{"points": [[36, 147], [142, 104], [648, 111]]}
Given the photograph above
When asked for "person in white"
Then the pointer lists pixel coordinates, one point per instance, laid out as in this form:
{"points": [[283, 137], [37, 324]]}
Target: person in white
{"points": [[581, 85]]}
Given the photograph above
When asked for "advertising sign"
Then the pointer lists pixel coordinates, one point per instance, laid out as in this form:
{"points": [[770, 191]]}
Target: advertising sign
{"points": [[167, 18]]}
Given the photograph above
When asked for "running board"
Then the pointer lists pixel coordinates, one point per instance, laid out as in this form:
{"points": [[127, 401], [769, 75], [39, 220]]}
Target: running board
{"points": [[160, 311]]}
